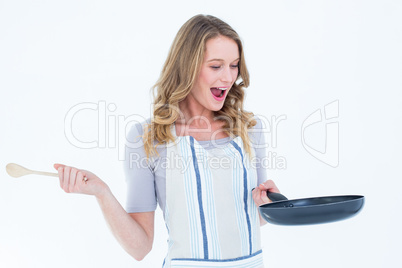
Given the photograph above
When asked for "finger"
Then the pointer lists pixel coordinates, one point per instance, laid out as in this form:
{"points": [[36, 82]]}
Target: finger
{"points": [[56, 166], [73, 179], [264, 198], [254, 193], [66, 182], [60, 170], [270, 186], [257, 197]]}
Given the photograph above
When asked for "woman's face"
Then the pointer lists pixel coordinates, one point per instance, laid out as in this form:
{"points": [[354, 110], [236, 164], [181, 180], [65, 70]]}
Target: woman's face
{"points": [[218, 73]]}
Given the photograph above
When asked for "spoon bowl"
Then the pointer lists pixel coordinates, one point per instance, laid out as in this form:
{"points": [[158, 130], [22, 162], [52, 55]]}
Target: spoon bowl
{"points": [[16, 171]]}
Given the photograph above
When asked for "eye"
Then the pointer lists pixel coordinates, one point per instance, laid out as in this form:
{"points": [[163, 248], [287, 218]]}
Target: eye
{"points": [[215, 67], [234, 66]]}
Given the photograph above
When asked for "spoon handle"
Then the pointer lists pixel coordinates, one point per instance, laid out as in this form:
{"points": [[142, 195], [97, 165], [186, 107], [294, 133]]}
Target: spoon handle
{"points": [[45, 173]]}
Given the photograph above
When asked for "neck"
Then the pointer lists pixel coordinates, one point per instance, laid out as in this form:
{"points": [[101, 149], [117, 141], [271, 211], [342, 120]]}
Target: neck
{"points": [[194, 114]]}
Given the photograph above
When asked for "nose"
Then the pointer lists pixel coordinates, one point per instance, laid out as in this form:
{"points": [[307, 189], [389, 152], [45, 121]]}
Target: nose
{"points": [[227, 75]]}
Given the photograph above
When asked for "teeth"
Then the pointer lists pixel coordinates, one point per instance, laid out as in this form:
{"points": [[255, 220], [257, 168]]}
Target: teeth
{"points": [[222, 88]]}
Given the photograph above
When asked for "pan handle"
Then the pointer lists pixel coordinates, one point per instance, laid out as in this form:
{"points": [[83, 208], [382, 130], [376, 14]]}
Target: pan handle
{"points": [[275, 197]]}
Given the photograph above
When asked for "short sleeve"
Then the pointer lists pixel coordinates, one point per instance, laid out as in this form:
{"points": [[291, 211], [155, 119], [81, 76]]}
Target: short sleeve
{"points": [[260, 147], [140, 178]]}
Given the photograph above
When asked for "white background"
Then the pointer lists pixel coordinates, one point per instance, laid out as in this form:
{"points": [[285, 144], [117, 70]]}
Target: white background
{"points": [[301, 56]]}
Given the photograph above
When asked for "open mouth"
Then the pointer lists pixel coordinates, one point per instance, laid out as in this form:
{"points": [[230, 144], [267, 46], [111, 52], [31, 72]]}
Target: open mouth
{"points": [[218, 91]]}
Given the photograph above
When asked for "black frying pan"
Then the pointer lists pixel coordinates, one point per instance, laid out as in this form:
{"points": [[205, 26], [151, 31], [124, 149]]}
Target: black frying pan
{"points": [[312, 210]]}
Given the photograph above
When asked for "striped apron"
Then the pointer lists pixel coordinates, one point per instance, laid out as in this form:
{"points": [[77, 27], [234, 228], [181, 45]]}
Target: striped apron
{"points": [[210, 214]]}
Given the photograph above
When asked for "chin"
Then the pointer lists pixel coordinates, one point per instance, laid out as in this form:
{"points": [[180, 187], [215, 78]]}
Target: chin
{"points": [[216, 109]]}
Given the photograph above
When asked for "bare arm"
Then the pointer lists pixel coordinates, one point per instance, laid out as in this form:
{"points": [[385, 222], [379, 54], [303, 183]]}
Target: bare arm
{"points": [[134, 232]]}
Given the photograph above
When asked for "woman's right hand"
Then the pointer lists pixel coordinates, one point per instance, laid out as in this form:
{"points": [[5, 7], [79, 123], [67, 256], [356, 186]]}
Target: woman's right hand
{"points": [[72, 180], [133, 231]]}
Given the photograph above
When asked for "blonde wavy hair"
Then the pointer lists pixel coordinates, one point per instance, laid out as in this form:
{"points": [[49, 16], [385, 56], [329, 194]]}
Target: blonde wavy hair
{"points": [[178, 76]]}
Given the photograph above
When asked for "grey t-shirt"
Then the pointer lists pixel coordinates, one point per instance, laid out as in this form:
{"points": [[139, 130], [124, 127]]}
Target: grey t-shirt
{"points": [[146, 185]]}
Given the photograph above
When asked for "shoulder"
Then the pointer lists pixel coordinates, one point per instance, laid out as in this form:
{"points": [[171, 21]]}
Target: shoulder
{"points": [[257, 132], [134, 138], [137, 130], [134, 143], [259, 122]]}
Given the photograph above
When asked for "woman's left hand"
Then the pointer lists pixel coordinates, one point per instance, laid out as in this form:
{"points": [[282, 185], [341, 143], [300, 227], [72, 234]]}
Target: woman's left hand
{"points": [[260, 193]]}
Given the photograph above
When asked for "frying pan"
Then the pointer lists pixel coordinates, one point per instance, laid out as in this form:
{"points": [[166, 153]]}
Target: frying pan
{"points": [[314, 210]]}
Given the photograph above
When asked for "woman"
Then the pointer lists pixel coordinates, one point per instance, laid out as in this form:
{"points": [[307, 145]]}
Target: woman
{"points": [[200, 166]]}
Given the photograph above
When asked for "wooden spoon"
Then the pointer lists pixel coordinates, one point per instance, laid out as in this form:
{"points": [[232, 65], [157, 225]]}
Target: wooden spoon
{"points": [[16, 171]]}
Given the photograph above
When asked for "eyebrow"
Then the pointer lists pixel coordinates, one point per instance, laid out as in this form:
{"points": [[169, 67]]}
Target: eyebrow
{"points": [[221, 60]]}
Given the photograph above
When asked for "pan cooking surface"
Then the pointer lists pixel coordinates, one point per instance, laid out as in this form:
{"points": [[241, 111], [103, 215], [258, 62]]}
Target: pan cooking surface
{"points": [[313, 210], [313, 201]]}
